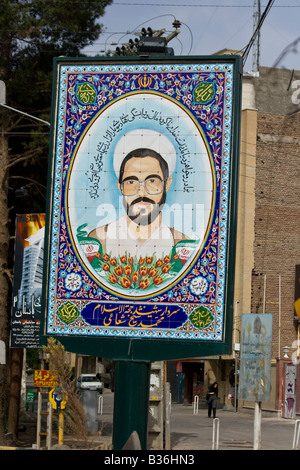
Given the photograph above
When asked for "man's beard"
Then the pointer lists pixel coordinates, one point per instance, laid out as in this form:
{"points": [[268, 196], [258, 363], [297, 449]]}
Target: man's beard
{"points": [[143, 217]]}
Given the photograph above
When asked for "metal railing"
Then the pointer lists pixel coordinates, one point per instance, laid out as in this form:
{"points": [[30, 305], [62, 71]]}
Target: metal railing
{"points": [[215, 434], [100, 404], [296, 434], [196, 404]]}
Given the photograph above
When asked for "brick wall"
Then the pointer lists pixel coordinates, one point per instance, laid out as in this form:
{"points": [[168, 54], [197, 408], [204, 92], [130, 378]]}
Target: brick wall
{"points": [[277, 223]]}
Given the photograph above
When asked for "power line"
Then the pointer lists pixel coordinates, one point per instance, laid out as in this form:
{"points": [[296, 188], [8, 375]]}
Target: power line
{"points": [[193, 5], [206, 5]]}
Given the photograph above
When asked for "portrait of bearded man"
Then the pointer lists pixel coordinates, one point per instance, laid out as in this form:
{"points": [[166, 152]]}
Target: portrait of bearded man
{"points": [[144, 161]]}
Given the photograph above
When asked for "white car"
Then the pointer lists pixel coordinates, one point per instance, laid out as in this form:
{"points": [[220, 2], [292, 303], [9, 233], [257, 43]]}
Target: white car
{"points": [[89, 382]]}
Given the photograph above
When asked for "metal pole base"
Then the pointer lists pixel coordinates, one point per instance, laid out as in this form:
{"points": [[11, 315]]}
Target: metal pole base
{"points": [[131, 402]]}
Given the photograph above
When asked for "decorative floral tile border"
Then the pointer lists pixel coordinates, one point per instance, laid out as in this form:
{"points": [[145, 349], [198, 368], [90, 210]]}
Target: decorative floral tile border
{"points": [[81, 302]]}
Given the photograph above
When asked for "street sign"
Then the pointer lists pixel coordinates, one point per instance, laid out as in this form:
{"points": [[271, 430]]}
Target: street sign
{"points": [[30, 397], [255, 358], [45, 378], [58, 398]]}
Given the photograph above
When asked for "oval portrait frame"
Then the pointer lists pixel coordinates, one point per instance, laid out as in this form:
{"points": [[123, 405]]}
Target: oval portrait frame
{"points": [[156, 112]]}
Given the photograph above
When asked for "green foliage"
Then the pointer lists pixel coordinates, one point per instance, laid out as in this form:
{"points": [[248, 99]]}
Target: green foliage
{"points": [[75, 416], [32, 33], [32, 360]]}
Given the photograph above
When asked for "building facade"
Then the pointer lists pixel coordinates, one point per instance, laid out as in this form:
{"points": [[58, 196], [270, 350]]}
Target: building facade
{"points": [[268, 240]]}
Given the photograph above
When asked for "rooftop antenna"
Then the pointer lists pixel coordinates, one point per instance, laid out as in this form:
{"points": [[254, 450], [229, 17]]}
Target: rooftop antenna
{"points": [[260, 20], [256, 44]]}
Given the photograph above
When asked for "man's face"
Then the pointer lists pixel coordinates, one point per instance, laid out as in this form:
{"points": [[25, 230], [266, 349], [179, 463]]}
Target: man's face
{"points": [[142, 207]]}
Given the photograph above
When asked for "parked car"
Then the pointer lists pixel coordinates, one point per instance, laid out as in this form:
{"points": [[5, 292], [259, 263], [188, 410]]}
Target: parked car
{"points": [[89, 382]]}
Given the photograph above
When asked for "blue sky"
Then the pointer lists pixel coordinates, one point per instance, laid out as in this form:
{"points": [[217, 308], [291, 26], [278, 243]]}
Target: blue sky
{"points": [[207, 26]]}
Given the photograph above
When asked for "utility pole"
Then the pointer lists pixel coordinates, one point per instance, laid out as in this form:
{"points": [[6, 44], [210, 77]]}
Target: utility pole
{"points": [[258, 20]]}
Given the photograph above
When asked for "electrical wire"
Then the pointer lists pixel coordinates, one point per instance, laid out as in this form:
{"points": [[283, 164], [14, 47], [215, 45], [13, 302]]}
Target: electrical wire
{"points": [[206, 5], [134, 30], [144, 22]]}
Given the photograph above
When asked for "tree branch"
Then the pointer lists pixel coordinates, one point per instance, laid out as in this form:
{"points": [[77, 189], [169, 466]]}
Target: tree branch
{"points": [[21, 158], [30, 180]]}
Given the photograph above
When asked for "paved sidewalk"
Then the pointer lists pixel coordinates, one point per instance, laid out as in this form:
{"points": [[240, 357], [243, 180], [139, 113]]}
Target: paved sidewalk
{"points": [[191, 431]]}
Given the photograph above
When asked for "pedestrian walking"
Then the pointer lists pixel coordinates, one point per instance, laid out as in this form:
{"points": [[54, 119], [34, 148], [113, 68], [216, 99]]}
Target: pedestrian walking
{"points": [[212, 399]]}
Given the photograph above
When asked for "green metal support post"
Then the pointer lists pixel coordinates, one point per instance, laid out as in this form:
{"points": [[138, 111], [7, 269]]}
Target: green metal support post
{"points": [[131, 402]]}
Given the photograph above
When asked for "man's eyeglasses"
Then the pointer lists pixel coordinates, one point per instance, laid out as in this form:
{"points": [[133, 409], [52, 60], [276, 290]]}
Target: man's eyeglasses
{"points": [[153, 185]]}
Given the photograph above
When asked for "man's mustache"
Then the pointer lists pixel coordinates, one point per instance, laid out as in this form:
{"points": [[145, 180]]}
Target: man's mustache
{"points": [[142, 199], [141, 218]]}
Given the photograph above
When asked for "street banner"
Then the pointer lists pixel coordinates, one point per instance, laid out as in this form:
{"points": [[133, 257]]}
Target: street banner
{"points": [[27, 283]]}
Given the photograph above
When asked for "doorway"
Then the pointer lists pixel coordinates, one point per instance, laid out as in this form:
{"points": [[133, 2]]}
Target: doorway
{"points": [[193, 380]]}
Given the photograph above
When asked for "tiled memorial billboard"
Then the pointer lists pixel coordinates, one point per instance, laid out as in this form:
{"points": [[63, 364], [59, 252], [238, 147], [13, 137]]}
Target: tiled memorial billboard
{"points": [[140, 204]]}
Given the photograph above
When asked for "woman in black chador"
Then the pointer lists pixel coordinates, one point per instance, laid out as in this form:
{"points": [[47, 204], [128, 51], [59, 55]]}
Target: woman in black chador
{"points": [[212, 396]]}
